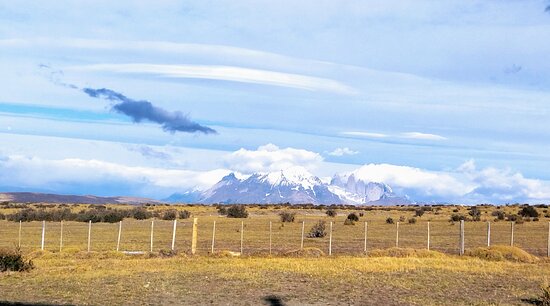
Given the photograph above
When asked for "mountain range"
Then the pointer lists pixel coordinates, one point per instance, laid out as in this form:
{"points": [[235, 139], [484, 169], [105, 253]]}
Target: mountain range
{"points": [[295, 185]]}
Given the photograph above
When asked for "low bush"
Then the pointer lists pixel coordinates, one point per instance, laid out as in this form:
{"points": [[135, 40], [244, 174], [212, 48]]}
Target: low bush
{"points": [[13, 260], [140, 213], [499, 214], [457, 217], [349, 222], [222, 210], [184, 214], [528, 212], [331, 212], [287, 216], [545, 294], [412, 220], [402, 219], [389, 220], [237, 211], [318, 230], [475, 213], [353, 217], [419, 212], [170, 214]]}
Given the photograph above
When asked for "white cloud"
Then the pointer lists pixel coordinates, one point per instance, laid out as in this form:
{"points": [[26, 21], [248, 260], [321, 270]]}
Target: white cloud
{"points": [[342, 152], [271, 158], [225, 73], [33, 172], [366, 134], [424, 136], [406, 135]]}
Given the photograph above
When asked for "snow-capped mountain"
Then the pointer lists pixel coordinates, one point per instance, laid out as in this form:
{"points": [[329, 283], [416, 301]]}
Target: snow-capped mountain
{"points": [[295, 185]]}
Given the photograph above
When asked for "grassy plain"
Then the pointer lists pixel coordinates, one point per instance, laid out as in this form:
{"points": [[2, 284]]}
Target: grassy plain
{"points": [[103, 276]]}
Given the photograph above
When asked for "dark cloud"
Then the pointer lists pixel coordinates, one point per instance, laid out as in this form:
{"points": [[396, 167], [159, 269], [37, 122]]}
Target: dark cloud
{"points": [[145, 110], [547, 9]]}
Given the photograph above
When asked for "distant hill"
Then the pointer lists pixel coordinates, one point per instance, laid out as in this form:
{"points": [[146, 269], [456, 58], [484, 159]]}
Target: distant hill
{"points": [[33, 197]]}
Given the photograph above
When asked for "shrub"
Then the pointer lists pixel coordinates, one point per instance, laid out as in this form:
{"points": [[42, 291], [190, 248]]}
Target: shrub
{"points": [[361, 214], [140, 213], [13, 260], [222, 210], [514, 218], [237, 211], [475, 213], [331, 213], [170, 214], [2, 216], [402, 219], [528, 212], [318, 230], [457, 217], [353, 217], [184, 214], [287, 216], [349, 222], [412, 220], [389, 220], [455, 210], [113, 216], [499, 214], [419, 212]]}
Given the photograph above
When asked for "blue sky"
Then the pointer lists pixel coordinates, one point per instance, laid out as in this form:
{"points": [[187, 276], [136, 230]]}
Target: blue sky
{"points": [[454, 89]]}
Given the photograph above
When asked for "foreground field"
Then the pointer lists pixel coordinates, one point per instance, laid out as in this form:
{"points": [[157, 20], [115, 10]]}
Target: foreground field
{"points": [[114, 279]]}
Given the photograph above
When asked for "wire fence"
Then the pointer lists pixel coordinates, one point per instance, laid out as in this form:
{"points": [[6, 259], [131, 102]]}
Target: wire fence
{"points": [[264, 236]]}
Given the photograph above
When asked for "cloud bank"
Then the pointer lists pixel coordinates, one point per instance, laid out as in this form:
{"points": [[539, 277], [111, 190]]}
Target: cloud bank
{"points": [[270, 157], [145, 110]]}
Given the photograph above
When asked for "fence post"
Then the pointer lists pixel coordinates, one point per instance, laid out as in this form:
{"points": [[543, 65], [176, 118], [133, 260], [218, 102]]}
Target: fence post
{"points": [[213, 236], [461, 242], [330, 240], [397, 235], [61, 237], [194, 237], [270, 234], [428, 235], [174, 234], [89, 234], [488, 233], [303, 228], [548, 248], [512, 233], [119, 232], [152, 230], [242, 236], [365, 246], [19, 243], [43, 235]]}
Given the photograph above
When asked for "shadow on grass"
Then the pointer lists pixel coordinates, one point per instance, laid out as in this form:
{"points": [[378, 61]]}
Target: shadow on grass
{"points": [[273, 300], [2, 303], [532, 301]]}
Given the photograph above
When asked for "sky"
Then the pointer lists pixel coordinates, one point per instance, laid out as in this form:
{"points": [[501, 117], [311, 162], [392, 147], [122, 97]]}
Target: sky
{"points": [[444, 100]]}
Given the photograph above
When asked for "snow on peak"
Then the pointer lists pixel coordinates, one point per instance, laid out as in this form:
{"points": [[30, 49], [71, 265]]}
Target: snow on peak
{"points": [[294, 176]]}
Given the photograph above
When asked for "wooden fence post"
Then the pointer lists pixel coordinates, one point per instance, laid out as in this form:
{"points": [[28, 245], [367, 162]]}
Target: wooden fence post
{"points": [[89, 234], [213, 236], [242, 236], [330, 240], [461, 242], [512, 233], [174, 234], [303, 228], [548, 247], [61, 237], [119, 233], [488, 233], [397, 235], [19, 243], [365, 245], [194, 237], [43, 235], [428, 235], [152, 230], [270, 234]]}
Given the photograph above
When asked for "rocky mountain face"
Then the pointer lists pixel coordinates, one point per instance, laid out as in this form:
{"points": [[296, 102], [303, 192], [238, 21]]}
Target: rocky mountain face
{"points": [[295, 185]]}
